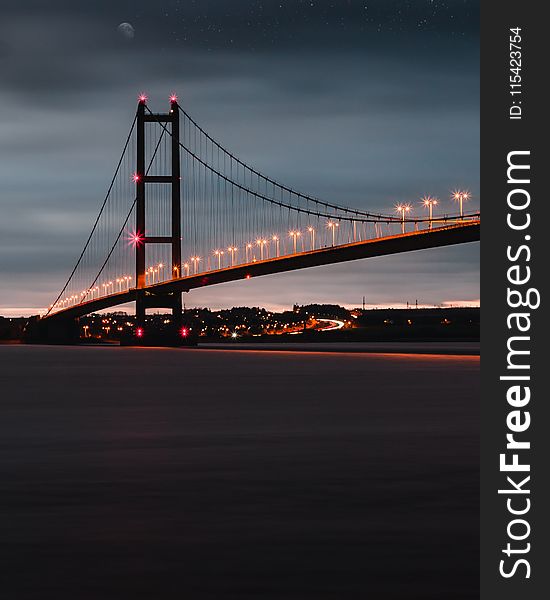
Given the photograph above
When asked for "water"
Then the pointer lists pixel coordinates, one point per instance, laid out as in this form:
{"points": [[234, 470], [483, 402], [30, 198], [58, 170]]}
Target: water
{"points": [[208, 474]]}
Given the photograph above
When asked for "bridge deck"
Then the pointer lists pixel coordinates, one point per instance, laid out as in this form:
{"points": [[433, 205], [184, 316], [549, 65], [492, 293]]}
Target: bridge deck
{"points": [[418, 240]]}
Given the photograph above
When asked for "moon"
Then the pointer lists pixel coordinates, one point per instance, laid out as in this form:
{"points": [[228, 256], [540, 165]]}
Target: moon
{"points": [[126, 30]]}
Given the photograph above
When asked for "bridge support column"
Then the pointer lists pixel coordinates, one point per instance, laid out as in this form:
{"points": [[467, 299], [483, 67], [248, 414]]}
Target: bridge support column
{"points": [[144, 298], [140, 212]]}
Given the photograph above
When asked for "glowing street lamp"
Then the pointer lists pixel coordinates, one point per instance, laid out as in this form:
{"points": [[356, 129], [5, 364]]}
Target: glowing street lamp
{"points": [[248, 248], [186, 269], [261, 243], [232, 250], [276, 240], [429, 203], [295, 235], [219, 254], [151, 273], [160, 269], [332, 225], [403, 209], [312, 234], [461, 196], [195, 260]]}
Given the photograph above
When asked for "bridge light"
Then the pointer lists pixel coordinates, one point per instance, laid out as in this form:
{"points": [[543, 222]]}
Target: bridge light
{"points": [[402, 209], [142, 98], [429, 203], [136, 238], [139, 332], [173, 97], [136, 177], [333, 225], [294, 235], [312, 235], [184, 332], [461, 196]]}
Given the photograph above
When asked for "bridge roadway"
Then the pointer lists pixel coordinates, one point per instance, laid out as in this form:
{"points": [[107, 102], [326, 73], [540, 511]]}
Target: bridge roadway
{"points": [[466, 231]]}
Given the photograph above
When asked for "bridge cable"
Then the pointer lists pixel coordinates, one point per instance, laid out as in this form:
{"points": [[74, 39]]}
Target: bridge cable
{"points": [[123, 225], [373, 218], [277, 184], [98, 216]]}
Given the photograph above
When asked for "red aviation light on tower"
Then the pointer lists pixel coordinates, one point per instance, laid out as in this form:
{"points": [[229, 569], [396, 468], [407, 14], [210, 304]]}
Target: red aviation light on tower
{"points": [[135, 238], [142, 98], [136, 177], [173, 97]]}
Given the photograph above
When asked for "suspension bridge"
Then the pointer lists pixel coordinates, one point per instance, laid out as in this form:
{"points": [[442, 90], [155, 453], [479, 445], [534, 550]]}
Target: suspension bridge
{"points": [[182, 212]]}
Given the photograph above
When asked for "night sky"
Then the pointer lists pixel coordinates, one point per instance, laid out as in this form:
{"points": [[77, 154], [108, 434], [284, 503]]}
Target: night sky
{"points": [[361, 103]]}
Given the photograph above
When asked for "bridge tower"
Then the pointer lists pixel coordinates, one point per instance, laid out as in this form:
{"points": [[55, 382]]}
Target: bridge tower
{"points": [[147, 298]]}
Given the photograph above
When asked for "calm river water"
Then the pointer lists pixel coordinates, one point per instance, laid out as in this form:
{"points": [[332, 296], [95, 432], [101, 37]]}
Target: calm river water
{"points": [[225, 474]]}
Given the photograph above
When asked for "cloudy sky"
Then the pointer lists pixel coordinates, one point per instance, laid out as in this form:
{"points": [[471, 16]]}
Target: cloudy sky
{"points": [[363, 103]]}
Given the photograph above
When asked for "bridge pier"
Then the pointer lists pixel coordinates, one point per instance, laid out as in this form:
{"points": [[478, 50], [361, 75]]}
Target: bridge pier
{"points": [[51, 331], [146, 299]]}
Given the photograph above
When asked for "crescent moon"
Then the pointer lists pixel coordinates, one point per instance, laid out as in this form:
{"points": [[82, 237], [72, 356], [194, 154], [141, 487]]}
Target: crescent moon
{"points": [[126, 30]]}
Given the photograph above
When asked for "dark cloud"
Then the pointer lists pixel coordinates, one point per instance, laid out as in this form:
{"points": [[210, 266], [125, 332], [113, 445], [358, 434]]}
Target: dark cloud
{"points": [[359, 105]]}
